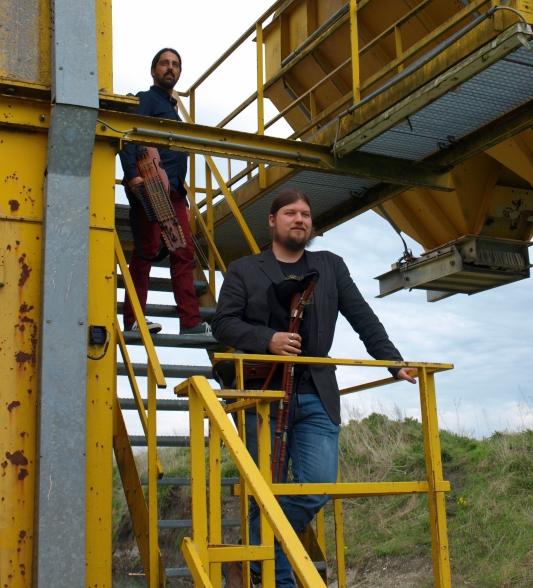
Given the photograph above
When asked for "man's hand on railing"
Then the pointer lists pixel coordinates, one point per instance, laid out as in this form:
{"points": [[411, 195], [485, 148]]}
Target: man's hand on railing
{"points": [[403, 374]]}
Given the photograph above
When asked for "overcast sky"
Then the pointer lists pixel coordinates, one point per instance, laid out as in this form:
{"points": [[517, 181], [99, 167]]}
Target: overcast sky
{"points": [[487, 336]]}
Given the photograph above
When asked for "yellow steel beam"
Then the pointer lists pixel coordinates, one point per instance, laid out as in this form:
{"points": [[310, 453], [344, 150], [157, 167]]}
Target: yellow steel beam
{"points": [[183, 390], [264, 446], [354, 43], [228, 553], [260, 95], [339, 538], [357, 489], [437, 506], [215, 512], [200, 533], [199, 574]]}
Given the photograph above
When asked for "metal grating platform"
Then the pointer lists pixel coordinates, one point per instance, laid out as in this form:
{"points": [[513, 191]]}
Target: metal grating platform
{"points": [[325, 191], [488, 95]]}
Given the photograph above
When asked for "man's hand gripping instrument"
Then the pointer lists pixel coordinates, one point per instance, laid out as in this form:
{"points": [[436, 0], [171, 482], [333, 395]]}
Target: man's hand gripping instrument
{"points": [[153, 194]]}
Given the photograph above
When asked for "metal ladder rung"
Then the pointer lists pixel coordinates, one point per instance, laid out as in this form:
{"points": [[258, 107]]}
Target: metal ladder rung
{"points": [[176, 405], [169, 311], [187, 481], [187, 524], [169, 370], [157, 284], [164, 441], [188, 341]]}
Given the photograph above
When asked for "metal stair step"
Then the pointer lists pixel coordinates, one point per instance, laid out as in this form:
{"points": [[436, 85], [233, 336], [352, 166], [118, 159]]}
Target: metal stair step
{"points": [[170, 370], [164, 441], [169, 311], [187, 481], [187, 524], [189, 341], [165, 285], [179, 405], [177, 573]]}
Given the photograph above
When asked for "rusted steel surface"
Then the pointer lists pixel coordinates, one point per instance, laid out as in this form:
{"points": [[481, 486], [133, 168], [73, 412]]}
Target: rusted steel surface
{"points": [[20, 248]]}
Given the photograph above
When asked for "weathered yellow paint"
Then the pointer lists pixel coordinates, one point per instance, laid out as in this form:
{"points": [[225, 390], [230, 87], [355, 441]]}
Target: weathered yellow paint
{"points": [[21, 201], [104, 45], [101, 375], [437, 507], [27, 41], [516, 155]]}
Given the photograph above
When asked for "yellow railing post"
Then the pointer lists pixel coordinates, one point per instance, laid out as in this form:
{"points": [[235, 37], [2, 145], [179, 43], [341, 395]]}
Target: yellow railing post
{"points": [[437, 507], [192, 165], [339, 538], [152, 480], [260, 96], [210, 227], [215, 516], [354, 39], [225, 190], [264, 456], [198, 482], [321, 530]]}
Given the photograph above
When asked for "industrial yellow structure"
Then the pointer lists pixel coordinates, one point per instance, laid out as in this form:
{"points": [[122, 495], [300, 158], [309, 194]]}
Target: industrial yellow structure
{"points": [[371, 90]]}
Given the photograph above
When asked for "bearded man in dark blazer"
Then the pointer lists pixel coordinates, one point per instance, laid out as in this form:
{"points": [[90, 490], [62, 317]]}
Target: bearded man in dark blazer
{"points": [[242, 321]]}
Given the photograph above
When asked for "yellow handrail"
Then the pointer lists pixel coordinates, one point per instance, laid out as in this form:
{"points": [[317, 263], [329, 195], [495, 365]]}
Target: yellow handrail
{"points": [[256, 480], [225, 190]]}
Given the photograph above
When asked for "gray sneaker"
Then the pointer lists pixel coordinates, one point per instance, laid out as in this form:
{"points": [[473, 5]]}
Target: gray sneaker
{"points": [[153, 328], [199, 329]]}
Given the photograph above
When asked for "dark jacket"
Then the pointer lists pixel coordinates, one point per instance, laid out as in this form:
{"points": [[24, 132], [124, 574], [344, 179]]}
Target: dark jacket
{"points": [[157, 103], [242, 315]]}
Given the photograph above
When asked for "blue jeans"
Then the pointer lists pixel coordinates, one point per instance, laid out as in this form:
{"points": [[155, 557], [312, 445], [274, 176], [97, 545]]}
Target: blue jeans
{"points": [[313, 441]]}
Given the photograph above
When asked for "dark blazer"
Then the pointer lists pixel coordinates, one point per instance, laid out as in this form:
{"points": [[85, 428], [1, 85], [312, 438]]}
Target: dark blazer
{"points": [[242, 315]]}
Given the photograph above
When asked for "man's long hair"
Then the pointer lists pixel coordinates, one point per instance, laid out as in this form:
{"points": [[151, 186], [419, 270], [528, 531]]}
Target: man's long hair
{"points": [[284, 199], [288, 197], [159, 53]]}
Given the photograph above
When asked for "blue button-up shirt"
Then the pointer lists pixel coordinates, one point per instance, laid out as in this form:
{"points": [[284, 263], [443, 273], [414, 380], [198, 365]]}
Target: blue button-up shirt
{"points": [[159, 104]]}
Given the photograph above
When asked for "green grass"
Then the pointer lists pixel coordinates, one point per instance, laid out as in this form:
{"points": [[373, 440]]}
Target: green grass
{"points": [[489, 509]]}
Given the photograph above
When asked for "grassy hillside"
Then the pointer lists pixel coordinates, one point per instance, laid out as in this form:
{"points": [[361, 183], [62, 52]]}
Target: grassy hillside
{"points": [[490, 507], [489, 510]]}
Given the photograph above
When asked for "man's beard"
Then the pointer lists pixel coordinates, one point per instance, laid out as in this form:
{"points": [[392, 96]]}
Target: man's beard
{"points": [[292, 243], [167, 83]]}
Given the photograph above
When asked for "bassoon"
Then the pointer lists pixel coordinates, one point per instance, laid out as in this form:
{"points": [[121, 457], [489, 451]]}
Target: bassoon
{"points": [[153, 194], [298, 304]]}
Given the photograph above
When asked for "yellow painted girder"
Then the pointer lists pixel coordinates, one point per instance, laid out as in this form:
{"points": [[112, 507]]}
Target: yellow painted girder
{"points": [[228, 553], [234, 144], [195, 565], [354, 489]]}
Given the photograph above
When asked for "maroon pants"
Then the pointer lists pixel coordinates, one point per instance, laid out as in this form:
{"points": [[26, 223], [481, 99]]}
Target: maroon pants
{"points": [[181, 262]]}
